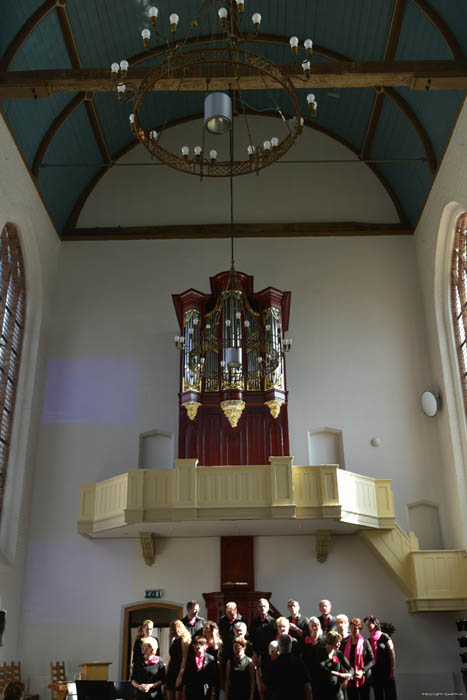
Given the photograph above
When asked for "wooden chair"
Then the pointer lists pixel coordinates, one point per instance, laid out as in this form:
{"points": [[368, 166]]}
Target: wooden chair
{"points": [[57, 678], [12, 672]]}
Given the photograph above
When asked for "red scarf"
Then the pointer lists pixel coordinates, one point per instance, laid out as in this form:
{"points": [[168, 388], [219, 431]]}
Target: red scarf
{"points": [[374, 637], [199, 660], [151, 660], [358, 657]]}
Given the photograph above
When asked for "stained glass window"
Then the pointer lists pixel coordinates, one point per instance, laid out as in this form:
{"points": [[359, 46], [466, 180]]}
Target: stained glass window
{"points": [[459, 297], [12, 311]]}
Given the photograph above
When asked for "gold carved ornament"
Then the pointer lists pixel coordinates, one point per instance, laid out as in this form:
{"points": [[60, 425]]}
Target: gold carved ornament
{"points": [[233, 409], [274, 407], [191, 408]]}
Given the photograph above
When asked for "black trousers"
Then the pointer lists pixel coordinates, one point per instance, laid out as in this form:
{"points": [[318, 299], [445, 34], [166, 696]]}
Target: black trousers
{"points": [[384, 689], [362, 693]]}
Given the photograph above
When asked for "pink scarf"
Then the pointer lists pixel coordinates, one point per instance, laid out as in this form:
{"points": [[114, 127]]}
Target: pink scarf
{"points": [[151, 660], [358, 657], [199, 660], [374, 643]]}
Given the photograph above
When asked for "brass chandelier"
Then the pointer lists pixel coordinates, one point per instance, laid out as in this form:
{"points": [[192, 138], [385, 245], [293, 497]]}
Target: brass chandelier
{"points": [[210, 55]]}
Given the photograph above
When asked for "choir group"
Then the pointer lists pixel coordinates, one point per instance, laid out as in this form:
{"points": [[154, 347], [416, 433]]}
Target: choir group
{"points": [[288, 658]]}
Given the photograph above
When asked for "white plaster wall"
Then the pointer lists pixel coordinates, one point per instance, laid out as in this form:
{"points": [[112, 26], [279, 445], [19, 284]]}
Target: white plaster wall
{"points": [[320, 191], [21, 205], [358, 361], [434, 240]]}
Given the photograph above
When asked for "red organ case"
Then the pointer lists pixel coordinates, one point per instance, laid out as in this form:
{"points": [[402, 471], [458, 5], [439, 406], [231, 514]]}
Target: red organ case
{"points": [[233, 392]]}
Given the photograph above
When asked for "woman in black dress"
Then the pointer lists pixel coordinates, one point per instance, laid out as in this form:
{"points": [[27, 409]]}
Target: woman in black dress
{"points": [[357, 651], [382, 677], [312, 645], [200, 678], [150, 678], [240, 674], [335, 669], [138, 657], [215, 649], [211, 632], [178, 651]]}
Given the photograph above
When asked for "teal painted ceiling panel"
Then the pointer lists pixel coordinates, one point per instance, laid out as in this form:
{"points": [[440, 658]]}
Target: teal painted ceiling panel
{"points": [[114, 120], [42, 111], [419, 38], [415, 179], [44, 49], [395, 138], [75, 142], [59, 182], [61, 188], [455, 15], [346, 116], [18, 13], [437, 111], [355, 28]]}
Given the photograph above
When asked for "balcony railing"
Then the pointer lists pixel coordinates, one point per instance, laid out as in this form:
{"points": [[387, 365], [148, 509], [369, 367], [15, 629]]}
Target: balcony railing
{"points": [[277, 490]]}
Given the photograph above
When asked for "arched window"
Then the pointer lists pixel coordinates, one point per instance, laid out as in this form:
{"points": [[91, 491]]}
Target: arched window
{"points": [[459, 297], [12, 312]]}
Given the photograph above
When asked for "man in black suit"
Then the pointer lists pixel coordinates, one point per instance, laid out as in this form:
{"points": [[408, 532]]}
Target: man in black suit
{"points": [[328, 621], [192, 621], [262, 629], [226, 628], [287, 678], [298, 623]]}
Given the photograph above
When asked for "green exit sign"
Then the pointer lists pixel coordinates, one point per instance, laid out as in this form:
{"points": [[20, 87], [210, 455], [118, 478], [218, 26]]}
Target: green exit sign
{"points": [[154, 593]]}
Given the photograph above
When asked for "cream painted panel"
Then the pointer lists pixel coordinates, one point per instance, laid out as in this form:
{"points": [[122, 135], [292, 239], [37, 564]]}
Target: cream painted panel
{"points": [[158, 488], [357, 493], [307, 486], [227, 486], [329, 484], [111, 497], [393, 547], [384, 498], [440, 574]]}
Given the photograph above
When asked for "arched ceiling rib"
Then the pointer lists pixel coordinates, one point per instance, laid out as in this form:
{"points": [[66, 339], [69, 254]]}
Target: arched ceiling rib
{"points": [[24, 32], [443, 28]]}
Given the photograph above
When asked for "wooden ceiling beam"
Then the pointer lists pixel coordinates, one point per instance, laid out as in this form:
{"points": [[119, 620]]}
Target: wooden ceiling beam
{"points": [[53, 129], [440, 75], [97, 130], [72, 49], [68, 37], [195, 231], [409, 113], [389, 53]]}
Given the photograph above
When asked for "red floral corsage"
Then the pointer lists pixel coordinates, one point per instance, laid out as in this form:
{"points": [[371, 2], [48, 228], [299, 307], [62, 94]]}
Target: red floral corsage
{"points": [[151, 660], [335, 659], [307, 640]]}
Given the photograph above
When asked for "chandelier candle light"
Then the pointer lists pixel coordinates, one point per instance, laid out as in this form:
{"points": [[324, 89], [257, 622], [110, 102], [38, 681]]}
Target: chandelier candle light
{"points": [[225, 71]]}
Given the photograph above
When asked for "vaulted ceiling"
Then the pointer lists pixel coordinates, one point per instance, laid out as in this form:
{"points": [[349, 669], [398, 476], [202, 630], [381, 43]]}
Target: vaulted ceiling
{"points": [[389, 77]]}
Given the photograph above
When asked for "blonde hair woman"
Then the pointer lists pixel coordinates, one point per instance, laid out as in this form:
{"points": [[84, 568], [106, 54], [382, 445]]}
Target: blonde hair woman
{"points": [[180, 642], [145, 630], [150, 678]]}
